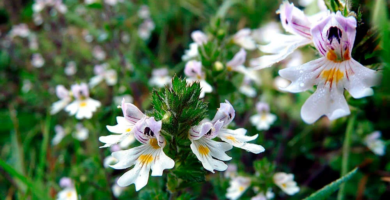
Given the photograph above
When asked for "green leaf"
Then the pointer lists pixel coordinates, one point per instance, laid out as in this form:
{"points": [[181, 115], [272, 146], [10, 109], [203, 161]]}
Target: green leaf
{"points": [[30, 184], [332, 187], [152, 194], [189, 175]]}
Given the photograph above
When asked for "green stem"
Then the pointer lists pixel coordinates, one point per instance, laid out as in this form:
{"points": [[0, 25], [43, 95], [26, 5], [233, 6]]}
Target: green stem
{"points": [[346, 148]]}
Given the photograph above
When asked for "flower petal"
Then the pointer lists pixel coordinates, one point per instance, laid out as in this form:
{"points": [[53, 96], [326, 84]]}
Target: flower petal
{"points": [[360, 79]]}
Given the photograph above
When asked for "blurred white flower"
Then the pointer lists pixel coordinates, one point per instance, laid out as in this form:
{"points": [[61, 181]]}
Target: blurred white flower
{"points": [[65, 97], [20, 30], [90, 1], [38, 5], [238, 186], [111, 2], [103, 73], [231, 171], [117, 190], [81, 132], [83, 106], [191, 53], [33, 42], [69, 192], [246, 88], [145, 29], [144, 12], [37, 60], [126, 97], [264, 119], [60, 134], [99, 53], [199, 37], [262, 196], [237, 64], [87, 36], [267, 33], [125, 38], [375, 144], [244, 39], [37, 18], [70, 68], [286, 182], [26, 86], [193, 70], [160, 78]]}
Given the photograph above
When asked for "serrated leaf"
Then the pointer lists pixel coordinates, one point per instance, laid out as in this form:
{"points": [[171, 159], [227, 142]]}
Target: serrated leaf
{"points": [[189, 175], [332, 187]]}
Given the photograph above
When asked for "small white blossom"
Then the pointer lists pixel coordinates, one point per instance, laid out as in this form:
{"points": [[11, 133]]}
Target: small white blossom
{"points": [[191, 53], [238, 186], [264, 119], [144, 12], [99, 53], [160, 78], [65, 97], [20, 30], [103, 73], [37, 60], [60, 134], [375, 144], [193, 70], [83, 106], [81, 132], [244, 39], [286, 183], [70, 68], [246, 88]]}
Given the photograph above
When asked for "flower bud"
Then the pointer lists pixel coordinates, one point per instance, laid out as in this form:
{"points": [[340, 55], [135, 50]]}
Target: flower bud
{"points": [[218, 66]]}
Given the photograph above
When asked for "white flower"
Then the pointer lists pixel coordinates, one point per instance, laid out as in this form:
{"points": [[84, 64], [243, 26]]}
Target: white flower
{"points": [[127, 97], [148, 156], [33, 42], [89, 1], [237, 138], [375, 144], [111, 2], [231, 171], [199, 37], [295, 22], [286, 183], [83, 106], [125, 127], [160, 78], [60, 134], [81, 132], [264, 119], [267, 33], [70, 68], [191, 53], [66, 182], [208, 151], [247, 89], [20, 30], [237, 64], [117, 190], [38, 5], [65, 97], [27, 85], [193, 70], [262, 196], [103, 73], [68, 193], [238, 186], [335, 71], [145, 29], [37, 60], [99, 53], [244, 39], [144, 12]]}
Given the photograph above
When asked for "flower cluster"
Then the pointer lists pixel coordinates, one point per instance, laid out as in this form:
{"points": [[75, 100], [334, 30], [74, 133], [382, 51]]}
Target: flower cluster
{"points": [[150, 155]]}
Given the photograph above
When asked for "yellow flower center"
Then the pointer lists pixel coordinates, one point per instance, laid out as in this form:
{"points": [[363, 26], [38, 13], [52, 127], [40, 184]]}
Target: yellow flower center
{"points": [[263, 117], [154, 143], [333, 56], [229, 68], [83, 104], [241, 188], [128, 130], [69, 194], [145, 159], [233, 139], [203, 150], [284, 185], [332, 75]]}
